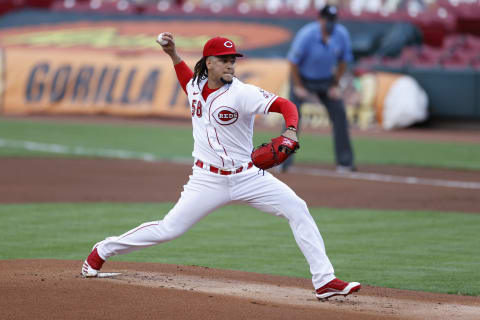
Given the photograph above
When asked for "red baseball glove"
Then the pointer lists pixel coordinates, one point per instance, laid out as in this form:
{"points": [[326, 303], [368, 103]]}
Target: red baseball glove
{"points": [[272, 154]]}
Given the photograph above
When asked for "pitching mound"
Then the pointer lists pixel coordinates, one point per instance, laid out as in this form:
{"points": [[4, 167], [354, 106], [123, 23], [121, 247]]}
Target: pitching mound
{"points": [[54, 289]]}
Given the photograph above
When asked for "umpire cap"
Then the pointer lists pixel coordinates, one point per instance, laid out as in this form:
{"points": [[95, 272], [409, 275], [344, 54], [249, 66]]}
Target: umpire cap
{"points": [[329, 12]]}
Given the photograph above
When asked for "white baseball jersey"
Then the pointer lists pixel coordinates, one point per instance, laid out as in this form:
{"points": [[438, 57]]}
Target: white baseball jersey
{"points": [[223, 129], [223, 125]]}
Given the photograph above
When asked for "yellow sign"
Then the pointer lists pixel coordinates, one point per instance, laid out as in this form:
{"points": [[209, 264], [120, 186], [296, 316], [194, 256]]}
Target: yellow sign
{"points": [[86, 82]]}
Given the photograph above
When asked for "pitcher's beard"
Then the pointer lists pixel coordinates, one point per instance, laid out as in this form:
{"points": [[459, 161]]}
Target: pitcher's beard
{"points": [[225, 81]]}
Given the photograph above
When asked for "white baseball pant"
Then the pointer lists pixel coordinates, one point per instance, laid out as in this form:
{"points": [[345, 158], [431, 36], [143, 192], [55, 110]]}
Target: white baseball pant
{"points": [[207, 191]]}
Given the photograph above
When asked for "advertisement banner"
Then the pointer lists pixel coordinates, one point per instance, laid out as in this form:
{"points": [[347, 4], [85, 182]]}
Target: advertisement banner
{"points": [[85, 82], [95, 64]]}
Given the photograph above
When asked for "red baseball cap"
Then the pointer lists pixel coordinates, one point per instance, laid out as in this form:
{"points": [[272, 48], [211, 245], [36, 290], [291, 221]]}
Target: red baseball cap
{"points": [[219, 46]]}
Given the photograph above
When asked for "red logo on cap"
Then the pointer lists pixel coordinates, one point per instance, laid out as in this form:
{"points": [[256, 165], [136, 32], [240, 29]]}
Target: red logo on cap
{"points": [[219, 46]]}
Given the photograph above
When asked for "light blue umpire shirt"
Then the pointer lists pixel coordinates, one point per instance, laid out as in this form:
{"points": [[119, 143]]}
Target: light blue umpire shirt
{"points": [[315, 59]]}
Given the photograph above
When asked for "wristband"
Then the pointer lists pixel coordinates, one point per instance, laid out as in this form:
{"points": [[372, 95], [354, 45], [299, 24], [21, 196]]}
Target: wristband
{"points": [[292, 128]]}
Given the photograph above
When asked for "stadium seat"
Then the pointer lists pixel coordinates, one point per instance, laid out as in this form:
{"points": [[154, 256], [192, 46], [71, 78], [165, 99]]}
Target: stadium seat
{"points": [[476, 62], [452, 41], [428, 56], [410, 53], [456, 64], [471, 42], [397, 62]]}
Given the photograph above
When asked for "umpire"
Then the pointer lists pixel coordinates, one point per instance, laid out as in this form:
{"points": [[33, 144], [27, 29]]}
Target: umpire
{"points": [[318, 58]]}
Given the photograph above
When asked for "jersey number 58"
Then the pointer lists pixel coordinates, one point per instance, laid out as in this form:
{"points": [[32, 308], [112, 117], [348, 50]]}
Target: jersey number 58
{"points": [[196, 108]]}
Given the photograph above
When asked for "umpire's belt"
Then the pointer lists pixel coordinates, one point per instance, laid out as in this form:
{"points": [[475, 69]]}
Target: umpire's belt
{"points": [[209, 167]]}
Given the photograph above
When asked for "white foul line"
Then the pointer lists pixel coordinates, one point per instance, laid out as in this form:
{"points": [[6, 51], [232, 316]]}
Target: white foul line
{"points": [[125, 154], [387, 178], [82, 151]]}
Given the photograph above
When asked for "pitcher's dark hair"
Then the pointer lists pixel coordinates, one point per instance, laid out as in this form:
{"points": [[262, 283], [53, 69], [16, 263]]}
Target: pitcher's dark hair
{"points": [[200, 72]]}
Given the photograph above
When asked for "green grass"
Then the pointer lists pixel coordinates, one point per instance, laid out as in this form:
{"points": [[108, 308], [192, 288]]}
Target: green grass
{"points": [[176, 142], [427, 251], [163, 142]]}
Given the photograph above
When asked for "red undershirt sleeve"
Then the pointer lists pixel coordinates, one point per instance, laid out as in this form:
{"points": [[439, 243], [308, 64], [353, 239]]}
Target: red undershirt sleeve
{"points": [[184, 74], [287, 109]]}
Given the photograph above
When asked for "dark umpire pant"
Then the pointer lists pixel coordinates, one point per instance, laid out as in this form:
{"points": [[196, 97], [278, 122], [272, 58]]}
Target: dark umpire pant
{"points": [[338, 118]]}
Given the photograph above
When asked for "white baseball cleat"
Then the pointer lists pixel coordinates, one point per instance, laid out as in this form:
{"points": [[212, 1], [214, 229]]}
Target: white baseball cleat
{"points": [[337, 287], [93, 264], [87, 271]]}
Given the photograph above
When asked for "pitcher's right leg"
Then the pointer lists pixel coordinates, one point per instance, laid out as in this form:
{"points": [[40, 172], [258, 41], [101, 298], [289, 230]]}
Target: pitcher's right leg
{"points": [[203, 193], [267, 193]]}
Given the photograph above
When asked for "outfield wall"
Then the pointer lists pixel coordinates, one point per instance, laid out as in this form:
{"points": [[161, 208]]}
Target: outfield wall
{"points": [[86, 63]]}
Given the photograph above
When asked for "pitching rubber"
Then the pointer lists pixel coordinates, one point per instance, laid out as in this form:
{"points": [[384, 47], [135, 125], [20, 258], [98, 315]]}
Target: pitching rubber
{"points": [[108, 274]]}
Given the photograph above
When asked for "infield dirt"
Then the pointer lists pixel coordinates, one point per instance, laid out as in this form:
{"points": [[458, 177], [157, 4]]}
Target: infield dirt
{"points": [[75, 180], [54, 289]]}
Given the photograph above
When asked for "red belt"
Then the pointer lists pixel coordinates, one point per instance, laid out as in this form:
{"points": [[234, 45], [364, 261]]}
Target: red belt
{"points": [[199, 163]]}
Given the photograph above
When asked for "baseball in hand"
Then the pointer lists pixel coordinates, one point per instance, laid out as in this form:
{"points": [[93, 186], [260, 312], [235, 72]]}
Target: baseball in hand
{"points": [[161, 41]]}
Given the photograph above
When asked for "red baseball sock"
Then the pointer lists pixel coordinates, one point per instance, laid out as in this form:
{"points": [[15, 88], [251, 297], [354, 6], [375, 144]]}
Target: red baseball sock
{"points": [[94, 260]]}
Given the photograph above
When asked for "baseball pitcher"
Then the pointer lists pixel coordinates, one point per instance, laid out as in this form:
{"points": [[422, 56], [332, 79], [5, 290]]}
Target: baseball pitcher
{"points": [[225, 168]]}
